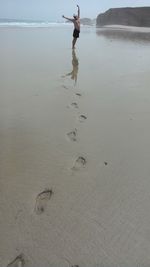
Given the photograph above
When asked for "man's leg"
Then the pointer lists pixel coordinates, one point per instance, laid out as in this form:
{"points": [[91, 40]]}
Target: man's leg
{"points": [[74, 42]]}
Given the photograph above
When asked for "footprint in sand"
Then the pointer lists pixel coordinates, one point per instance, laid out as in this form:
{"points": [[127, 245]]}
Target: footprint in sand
{"points": [[41, 201], [65, 87], [78, 94], [82, 118], [74, 105], [72, 135], [17, 262], [80, 162]]}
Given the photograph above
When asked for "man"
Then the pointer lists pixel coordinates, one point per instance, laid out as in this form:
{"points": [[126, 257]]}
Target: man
{"points": [[76, 22]]}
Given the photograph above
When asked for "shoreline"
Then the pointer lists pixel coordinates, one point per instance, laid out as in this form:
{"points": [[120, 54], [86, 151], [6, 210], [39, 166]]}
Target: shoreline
{"points": [[126, 28]]}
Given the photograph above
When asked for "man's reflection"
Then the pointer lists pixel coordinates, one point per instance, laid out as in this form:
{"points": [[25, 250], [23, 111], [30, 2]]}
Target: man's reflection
{"points": [[75, 66]]}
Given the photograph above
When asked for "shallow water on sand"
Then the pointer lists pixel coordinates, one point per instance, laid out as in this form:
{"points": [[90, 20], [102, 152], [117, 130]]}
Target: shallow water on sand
{"points": [[74, 145]]}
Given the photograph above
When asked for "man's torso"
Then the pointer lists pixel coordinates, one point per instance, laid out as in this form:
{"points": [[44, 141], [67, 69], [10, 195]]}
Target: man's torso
{"points": [[77, 24]]}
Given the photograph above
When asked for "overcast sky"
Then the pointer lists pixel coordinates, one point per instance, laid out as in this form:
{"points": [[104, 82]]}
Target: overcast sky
{"points": [[53, 9]]}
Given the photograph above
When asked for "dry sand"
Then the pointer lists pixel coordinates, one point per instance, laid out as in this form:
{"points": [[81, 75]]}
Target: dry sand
{"points": [[74, 149]]}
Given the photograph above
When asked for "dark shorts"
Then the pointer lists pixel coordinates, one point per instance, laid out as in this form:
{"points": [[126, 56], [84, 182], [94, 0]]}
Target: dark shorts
{"points": [[76, 33]]}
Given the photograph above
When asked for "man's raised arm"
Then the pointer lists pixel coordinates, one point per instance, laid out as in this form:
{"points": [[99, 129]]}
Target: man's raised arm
{"points": [[67, 18], [78, 11]]}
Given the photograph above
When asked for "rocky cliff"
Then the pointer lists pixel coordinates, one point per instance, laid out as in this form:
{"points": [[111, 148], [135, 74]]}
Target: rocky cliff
{"points": [[139, 16]]}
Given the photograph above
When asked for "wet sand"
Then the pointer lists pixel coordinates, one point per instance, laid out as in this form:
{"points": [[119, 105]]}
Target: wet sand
{"points": [[136, 34], [74, 149]]}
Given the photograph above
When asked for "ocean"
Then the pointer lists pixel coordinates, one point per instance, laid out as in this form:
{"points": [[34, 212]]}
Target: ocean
{"points": [[35, 24]]}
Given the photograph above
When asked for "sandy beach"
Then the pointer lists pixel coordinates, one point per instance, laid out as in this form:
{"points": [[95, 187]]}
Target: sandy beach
{"points": [[74, 148]]}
